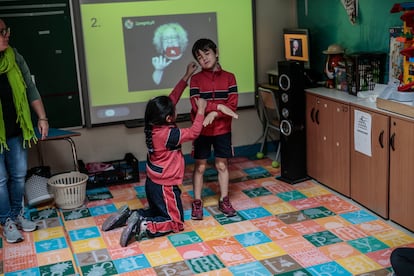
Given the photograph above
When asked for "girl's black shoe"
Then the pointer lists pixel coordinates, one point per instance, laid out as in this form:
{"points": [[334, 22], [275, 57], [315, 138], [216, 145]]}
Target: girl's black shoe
{"points": [[117, 220], [133, 227]]}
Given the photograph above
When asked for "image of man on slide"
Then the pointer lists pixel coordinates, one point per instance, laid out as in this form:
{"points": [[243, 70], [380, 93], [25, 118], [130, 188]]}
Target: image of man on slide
{"points": [[156, 47], [170, 41]]}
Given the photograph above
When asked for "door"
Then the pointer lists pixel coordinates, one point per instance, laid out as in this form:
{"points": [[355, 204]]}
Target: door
{"points": [[316, 137], [327, 130], [369, 174], [324, 136], [311, 136], [334, 138], [402, 172]]}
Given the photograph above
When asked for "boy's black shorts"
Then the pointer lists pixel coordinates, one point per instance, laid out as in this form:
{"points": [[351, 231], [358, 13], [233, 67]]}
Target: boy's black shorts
{"points": [[221, 145]]}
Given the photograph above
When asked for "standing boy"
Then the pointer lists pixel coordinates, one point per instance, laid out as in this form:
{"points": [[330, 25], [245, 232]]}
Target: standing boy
{"points": [[219, 88]]}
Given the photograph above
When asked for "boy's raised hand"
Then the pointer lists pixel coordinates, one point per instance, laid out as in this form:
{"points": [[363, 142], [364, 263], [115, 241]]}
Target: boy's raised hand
{"points": [[191, 68], [227, 111]]}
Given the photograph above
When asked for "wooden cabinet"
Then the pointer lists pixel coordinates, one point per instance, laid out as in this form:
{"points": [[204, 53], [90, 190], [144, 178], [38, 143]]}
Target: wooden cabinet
{"points": [[382, 182], [328, 142], [402, 172], [369, 174]]}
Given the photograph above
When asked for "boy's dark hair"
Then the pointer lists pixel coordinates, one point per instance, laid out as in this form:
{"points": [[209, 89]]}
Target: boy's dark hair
{"points": [[203, 44], [156, 114]]}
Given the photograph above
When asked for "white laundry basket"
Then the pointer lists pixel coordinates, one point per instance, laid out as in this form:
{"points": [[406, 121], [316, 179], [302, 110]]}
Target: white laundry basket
{"points": [[69, 189], [36, 190]]}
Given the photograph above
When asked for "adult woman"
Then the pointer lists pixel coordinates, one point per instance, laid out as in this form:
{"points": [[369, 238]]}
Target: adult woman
{"points": [[17, 94]]}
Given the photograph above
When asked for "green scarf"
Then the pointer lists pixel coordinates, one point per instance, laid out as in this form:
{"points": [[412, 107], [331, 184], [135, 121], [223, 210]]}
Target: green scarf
{"points": [[8, 65]]}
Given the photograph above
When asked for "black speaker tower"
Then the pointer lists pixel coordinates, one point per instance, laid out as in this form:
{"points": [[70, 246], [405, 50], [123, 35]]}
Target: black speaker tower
{"points": [[292, 105]]}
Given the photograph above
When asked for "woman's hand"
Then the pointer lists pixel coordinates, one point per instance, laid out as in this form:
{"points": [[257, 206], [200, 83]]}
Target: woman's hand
{"points": [[43, 126]]}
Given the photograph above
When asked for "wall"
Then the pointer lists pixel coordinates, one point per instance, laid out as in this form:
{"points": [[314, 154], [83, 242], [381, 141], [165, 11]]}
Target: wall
{"points": [[112, 142], [328, 23], [272, 16]]}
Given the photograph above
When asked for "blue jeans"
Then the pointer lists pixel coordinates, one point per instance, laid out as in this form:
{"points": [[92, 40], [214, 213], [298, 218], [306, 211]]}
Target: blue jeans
{"points": [[13, 169]]}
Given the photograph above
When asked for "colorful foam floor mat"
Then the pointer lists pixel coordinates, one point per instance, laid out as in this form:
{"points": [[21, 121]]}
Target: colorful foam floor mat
{"points": [[280, 229]]}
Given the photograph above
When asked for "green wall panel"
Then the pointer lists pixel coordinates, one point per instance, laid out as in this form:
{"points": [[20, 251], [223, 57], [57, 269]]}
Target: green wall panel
{"points": [[329, 23]]}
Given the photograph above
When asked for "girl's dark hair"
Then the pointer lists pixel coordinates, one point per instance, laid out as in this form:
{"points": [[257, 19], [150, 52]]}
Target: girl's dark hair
{"points": [[203, 44], [156, 114]]}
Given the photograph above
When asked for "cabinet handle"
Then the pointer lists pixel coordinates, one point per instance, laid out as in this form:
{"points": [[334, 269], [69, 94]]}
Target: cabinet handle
{"points": [[317, 117], [381, 139], [312, 115], [392, 140]]}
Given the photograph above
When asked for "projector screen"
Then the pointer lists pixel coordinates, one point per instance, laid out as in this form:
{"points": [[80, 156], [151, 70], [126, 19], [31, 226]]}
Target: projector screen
{"points": [[120, 42]]}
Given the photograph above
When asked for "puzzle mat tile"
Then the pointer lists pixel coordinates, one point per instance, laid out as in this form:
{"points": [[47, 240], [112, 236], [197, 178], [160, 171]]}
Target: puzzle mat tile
{"points": [[283, 229]]}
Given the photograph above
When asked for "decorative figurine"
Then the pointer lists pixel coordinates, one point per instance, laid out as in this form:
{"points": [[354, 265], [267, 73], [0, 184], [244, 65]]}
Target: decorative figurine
{"points": [[335, 56]]}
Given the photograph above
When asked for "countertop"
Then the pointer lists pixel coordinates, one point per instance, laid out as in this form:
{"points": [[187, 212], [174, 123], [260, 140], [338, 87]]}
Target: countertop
{"points": [[342, 96]]}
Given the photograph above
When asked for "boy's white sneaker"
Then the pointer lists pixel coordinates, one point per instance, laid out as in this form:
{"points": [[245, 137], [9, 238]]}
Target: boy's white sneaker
{"points": [[25, 224], [11, 233]]}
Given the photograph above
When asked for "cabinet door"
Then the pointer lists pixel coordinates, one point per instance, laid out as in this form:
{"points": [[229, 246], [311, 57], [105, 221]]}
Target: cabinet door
{"points": [[338, 166], [369, 174], [334, 138], [402, 172], [311, 136], [325, 140], [327, 136], [315, 137]]}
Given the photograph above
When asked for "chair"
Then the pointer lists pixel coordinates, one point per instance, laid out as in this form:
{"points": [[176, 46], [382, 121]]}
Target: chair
{"points": [[269, 108]]}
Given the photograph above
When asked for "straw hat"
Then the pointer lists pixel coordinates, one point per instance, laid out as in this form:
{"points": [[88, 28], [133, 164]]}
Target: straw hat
{"points": [[334, 49]]}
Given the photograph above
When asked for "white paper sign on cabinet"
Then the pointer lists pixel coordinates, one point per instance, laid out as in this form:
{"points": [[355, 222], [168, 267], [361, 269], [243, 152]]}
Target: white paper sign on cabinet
{"points": [[362, 132]]}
